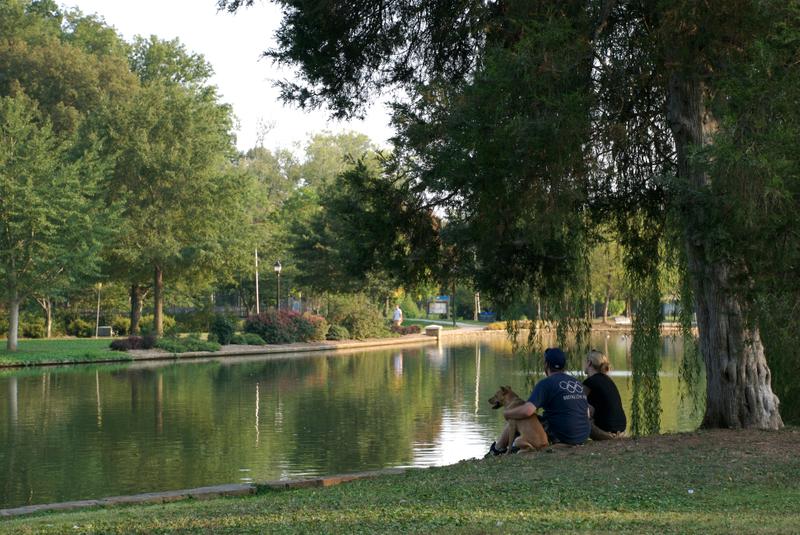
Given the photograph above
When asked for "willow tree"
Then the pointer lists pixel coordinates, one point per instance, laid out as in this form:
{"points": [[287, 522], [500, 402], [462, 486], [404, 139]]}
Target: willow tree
{"points": [[533, 120]]}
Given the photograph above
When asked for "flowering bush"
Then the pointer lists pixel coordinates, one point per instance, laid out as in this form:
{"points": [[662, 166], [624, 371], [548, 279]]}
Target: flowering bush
{"points": [[286, 327], [411, 329]]}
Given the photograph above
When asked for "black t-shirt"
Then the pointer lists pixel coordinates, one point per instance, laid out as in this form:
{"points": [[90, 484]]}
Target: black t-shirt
{"points": [[604, 397]]}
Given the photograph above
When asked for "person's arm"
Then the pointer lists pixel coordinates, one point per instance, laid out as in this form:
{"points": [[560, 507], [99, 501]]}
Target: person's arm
{"points": [[521, 412]]}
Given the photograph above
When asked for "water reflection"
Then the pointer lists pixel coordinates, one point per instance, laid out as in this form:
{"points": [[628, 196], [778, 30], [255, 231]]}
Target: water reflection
{"points": [[72, 433]]}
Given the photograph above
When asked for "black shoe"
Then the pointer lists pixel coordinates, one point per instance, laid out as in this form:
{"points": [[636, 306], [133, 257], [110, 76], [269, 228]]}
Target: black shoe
{"points": [[493, 451]]}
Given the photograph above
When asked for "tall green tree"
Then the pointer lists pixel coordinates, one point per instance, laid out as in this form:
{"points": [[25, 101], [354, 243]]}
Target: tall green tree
{"points": [[172, 173], [74, 70], [607, 274], [530, 117], [51, 226], [326, 156]]}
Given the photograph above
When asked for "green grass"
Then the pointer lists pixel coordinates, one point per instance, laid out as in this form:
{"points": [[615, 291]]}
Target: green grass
{"points": [[32, 352], [706, 482], [424, 324]]}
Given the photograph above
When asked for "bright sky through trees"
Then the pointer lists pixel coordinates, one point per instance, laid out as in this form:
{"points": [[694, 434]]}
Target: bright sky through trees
{"points": [[233, 45]]}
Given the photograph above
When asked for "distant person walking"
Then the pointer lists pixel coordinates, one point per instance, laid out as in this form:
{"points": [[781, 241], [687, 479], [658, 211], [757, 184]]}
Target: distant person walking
{"points": [[605, 405], [397, 317]]}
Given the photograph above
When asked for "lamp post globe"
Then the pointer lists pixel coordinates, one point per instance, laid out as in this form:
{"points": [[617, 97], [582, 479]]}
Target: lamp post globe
{"points": [[277, 268]]}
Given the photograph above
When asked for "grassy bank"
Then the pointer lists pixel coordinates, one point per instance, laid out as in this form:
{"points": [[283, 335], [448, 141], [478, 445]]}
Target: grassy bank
{"points": [[66, 350], [705, 482], [423, 324]]}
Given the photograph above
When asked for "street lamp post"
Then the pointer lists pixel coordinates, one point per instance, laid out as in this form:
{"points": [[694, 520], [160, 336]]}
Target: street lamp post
{"points": [[258, 307], [277, 268]]}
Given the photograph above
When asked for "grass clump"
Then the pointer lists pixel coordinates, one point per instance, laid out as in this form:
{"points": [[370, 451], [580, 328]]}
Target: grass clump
{"points": [[248, 339], [184, 345]]}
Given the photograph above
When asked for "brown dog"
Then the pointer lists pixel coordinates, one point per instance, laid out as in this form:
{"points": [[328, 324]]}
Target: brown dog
{"points": [[532, 435]]}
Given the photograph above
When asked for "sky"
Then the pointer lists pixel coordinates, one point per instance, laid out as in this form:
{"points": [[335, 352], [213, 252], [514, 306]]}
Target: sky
{"points": [[233, 44]]}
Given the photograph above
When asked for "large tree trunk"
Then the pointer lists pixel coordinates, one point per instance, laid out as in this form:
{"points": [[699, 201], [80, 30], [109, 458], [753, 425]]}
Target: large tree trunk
{"points": [[158, 300], [47, 305], [13, 319], [137, 302], [739, 394]]}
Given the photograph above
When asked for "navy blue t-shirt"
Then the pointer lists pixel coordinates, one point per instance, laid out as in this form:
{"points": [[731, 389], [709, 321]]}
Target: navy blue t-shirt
{"points": [[565, 407]]}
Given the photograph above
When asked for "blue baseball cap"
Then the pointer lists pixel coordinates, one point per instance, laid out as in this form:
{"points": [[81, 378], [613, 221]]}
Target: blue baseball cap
{"points": [[555, 358]]}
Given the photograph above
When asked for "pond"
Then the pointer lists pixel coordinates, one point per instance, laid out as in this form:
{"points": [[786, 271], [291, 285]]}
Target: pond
{"points": [[88, 432]]}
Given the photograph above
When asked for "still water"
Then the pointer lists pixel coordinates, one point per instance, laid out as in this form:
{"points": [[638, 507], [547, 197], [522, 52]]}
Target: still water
{"points": [[88, 432]]}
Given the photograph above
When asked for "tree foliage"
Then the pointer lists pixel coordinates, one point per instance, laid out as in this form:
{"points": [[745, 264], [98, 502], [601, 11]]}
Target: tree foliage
{"points": [[51, 227], [529, 123]]}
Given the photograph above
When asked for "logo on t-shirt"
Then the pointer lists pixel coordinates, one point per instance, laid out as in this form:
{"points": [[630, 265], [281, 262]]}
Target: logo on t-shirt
{"points": [[573, 389]]}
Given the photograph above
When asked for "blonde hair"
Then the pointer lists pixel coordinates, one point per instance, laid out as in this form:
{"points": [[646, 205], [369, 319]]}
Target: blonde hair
{"points": [[598, 360]]}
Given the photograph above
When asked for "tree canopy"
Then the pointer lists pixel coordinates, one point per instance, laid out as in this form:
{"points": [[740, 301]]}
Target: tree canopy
{"points": [[530, 123]]}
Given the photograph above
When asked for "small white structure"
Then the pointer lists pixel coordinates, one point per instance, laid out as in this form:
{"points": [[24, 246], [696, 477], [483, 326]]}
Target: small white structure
{"points": [[434, 330]]}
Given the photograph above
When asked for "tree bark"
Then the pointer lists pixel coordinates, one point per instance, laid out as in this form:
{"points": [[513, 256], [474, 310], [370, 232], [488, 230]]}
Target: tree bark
{"points": [[13, 319], [605, 307], [137, 301], [47, 305], [158, 300], [738, 393]]}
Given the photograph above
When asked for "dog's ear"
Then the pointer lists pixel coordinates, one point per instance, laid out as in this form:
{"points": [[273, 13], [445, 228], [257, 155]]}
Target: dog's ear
{"points": [[505, 388]]}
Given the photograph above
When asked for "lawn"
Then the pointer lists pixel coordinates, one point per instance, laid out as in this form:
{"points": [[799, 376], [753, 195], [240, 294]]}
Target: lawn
{"points": [[706, 482], [62, 350], [422, 324]]}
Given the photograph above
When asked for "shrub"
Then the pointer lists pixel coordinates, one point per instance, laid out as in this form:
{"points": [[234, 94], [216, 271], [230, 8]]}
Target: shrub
{"points": [[133, 342], [121, 325], [503, 325], [358, 315], [183, 345], [147, 327], [311, 328], [222, 329], [410, 329], [247, 339], [337, 332], [253, 339], [80, 328], [3, 323], [286, 327], [410, 308], [197, 321], [32, 326]]}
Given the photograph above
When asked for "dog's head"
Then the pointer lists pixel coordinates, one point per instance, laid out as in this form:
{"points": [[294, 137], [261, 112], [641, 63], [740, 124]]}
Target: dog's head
{"points": [[500, 397]]}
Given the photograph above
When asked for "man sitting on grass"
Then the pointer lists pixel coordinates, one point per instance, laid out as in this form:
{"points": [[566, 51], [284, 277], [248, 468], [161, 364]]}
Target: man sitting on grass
{"points": [[566, 410]]}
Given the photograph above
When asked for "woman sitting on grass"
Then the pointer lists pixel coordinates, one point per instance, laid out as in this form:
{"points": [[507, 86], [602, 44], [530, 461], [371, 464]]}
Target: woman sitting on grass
{"points": [[605, 405]]}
